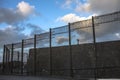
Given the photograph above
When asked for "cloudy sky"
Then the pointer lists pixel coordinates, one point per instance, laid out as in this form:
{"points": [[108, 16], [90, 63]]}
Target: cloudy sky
{"points": [[20, 19]]}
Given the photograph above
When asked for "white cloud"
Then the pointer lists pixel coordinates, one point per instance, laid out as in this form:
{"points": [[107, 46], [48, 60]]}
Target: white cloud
{"points": [[117, 34], [25, 8], [71, 17], [83, 7], [76, 5], [67, 4]]}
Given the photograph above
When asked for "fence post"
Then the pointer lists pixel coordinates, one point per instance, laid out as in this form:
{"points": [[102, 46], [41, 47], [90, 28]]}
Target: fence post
{"points": [[3, 64], [6, 58], [18, 60], [50, 51], [70, 49], [12, 58], [22, 56], [95, 47], [18, 56], [35, 55], [7, 61]]}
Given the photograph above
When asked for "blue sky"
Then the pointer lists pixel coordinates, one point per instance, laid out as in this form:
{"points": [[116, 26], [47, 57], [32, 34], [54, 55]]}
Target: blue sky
{"points": [[21, 19], [47, 11]]}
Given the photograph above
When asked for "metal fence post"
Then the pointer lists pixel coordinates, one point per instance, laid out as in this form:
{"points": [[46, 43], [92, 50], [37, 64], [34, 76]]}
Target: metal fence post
{"points": [[12, 58], [8, 52], [22, 56], [35, 55], [95, 47], [7, 61], [50, 51], [3, 64], [18, 56], [70, 49], [6, 57]]}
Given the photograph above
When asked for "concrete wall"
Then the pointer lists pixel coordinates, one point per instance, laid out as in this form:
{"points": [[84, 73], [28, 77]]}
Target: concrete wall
{"points": [[83, 59]]}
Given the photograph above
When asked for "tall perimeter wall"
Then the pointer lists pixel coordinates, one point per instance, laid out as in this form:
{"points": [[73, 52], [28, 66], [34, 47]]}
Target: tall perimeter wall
{"points": [[83, 60]]}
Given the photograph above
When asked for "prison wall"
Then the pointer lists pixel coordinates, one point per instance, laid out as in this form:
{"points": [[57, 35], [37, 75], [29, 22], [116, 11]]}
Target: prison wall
{"points": [[83, 60]]}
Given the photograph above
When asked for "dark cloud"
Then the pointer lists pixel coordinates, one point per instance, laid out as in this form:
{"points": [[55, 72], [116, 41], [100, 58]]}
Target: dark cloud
{"points": [[104, 6], [19, 14], [10, 16], [103, 32], [106, 31], [35, 29], [11, 35], [14, 19], [62, 39]]}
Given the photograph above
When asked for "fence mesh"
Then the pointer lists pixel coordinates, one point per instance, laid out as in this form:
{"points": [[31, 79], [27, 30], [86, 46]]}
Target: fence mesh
{"points": [[43, 55], [60, 36], [82, 55], [60, 60], [107, 29], [84, 49], [17, 58], [28, 56], [81, 32]]}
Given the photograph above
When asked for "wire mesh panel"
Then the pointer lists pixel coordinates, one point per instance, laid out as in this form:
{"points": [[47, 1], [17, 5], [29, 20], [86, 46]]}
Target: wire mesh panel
{"points": [[28, 56], [60, 36], [70, 50], [83, 55], [17, 58], [81, 32], [107, 29], [60, 55], [43, 54], [42, 40]]}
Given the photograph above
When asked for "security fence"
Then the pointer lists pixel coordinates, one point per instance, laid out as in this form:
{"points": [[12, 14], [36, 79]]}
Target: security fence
{"points": [[84, 49]]}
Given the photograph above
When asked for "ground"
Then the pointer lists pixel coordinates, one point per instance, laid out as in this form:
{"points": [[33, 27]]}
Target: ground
{"points": [[8, 77]]}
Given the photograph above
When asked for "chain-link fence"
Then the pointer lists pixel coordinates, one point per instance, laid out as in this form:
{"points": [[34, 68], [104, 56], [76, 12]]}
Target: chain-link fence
{"points": [[84, 49]]}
